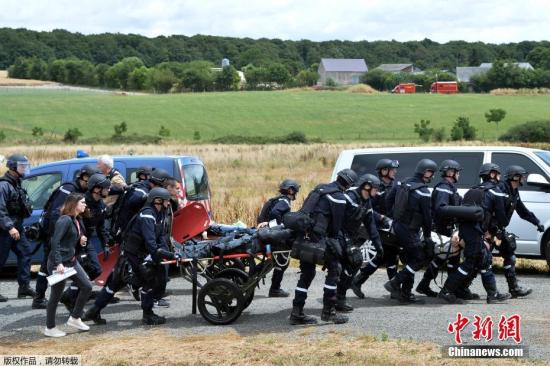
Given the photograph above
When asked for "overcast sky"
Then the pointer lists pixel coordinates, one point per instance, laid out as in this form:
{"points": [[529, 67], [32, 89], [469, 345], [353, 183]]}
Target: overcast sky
{"points": [[496, 21]]}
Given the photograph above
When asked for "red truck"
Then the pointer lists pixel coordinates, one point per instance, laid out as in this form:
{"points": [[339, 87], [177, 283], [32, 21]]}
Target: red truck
{"points": [[444, 87], [405, 88]]}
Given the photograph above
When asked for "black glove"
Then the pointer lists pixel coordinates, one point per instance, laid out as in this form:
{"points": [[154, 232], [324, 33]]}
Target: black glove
{"points": [[540, 228], [165, 254], [106, 252]]}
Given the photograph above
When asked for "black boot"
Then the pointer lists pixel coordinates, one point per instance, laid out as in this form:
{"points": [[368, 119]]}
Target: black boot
{"points": [[497, 297], [393, 286], [424, 288], [39, 302], [278, 292], [357, 282], [515, 289], [150, 318], [25, 291], [67, 300], [297, 317], [408, 298], [329, 315], [466, 294], [342, 306], [448, 296], [94, 314]]}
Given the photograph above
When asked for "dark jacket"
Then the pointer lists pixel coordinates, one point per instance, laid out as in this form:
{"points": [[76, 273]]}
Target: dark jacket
{"points": [[132, 202], [279, 209], [14, 204], [513, 202], [94, 218], [360, 211], [55, 202], [64, 241], [444, 194], [493, 205], [379, 202], [329, 213], [146, 233]]}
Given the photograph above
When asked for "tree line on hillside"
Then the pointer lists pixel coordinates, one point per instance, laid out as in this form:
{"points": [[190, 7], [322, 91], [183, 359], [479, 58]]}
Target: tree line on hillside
{"points": [[131, 74], [108, 48]]}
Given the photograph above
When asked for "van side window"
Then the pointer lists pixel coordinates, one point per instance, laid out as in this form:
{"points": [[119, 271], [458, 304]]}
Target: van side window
{"points": [[470, 161], [40, 187], [506, 159]]}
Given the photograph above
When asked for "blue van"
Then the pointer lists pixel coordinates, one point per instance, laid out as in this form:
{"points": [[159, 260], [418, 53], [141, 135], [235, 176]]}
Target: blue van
{"points": [[44, 179]]}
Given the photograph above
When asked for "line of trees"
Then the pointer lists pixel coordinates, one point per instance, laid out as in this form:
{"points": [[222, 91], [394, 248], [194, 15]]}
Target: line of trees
{"points": [[108, 48], [131, 74], [506, 74]]}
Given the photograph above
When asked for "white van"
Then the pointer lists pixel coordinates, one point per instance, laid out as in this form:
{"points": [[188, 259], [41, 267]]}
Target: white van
{"points": [[535, 193]]}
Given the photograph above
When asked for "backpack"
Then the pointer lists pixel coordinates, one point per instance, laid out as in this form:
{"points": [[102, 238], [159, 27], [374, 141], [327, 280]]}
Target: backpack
{"points": [[476, 197], [401, 210], [303, 219], [114, 212], [266, 209]]}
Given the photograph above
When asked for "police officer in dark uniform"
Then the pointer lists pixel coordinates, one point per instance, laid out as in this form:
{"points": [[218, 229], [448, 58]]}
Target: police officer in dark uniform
{"points": [[410, 203], [477, 255], [386, 170], [513, 179], [135, 197], [444, 194], [359, 225], [328, 216], [145, 246], [14, 208], [277, 207], [50, 216]]}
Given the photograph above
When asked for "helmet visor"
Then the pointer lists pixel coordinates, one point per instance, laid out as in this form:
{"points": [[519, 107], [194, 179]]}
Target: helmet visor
{"points": [[23, 168]]}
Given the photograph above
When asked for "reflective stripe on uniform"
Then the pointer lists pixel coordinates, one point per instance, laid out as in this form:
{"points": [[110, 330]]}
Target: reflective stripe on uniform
{"points": [[498, 193], [285, 201], [350, 200], [444, 190], [410, 269], [336, 200], [64, 190], [148, 217], [301, 289], [329, 287], [418, 191], [42, 274], [462, 271], [109, 291], [141, 190]]}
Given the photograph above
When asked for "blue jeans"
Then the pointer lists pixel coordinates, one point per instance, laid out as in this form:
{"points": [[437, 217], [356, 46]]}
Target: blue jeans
{"points": [[22, 250]]}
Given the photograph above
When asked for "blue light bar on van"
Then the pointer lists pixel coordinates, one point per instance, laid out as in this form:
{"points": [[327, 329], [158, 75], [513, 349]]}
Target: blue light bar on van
{"points": [[81, 154]]}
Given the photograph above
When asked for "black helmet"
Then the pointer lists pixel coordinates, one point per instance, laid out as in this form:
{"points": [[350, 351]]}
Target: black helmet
{"points": [[346, 177], [447, 165], [18, 160], [158, 193], [425, 165], [88, 170], [369, 179], [98, 180], [144, 170], [514, 170], [159, 176], [289, 183], [487, 168], [386, 163]]}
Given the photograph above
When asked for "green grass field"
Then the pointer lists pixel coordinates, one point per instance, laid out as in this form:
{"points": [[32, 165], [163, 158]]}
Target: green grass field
{"points": [[331, 116]]}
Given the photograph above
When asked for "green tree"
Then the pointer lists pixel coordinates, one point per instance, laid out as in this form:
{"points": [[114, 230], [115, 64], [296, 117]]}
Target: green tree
{"points": [[424, 130], [375, 78], [227, 79], [256, 77], [72, 135], [161, 81], [279, 74], [539, 57], [463, 130], [120, 129], [164, 132], [307, 78], [20, 69], [495, 115], [138, 78], [117, 76], [37, 131], [198, 76], [38, 69], [196, 136]]}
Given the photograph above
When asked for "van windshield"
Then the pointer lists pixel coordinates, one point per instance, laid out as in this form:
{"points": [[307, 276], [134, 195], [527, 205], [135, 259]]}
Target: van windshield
{"points": [[196, 182], [545, 156]]}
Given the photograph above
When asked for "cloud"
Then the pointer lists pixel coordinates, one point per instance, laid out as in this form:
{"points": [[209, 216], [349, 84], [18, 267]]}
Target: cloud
{"points": [[470, 20]]}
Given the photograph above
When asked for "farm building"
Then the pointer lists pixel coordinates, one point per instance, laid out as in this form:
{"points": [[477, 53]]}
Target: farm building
{"points": [[464, 74], [344, 71], [397, 68]]}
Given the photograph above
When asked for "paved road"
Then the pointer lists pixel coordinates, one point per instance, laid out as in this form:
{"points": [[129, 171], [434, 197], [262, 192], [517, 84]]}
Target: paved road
{"points": [[375, 315]]}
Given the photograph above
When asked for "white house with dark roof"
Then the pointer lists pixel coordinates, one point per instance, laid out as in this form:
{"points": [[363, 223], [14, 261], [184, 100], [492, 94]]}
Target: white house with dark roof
{"points": [[343, 71]]}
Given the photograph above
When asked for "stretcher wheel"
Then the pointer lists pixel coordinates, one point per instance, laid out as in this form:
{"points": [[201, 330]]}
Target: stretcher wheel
{"points": [[220, 301], [240, 278], [218, 266]]}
